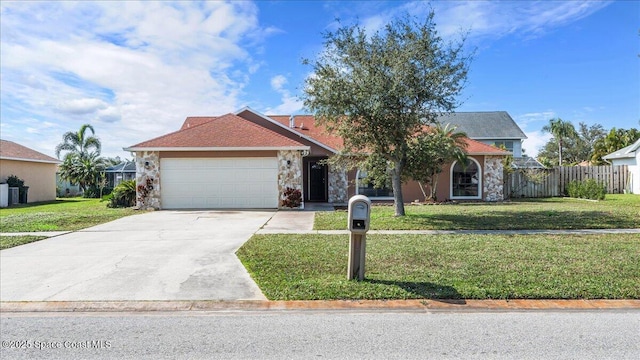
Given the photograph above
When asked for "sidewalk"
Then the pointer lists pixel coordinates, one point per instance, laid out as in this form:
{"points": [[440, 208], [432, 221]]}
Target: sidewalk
{"points": [[301, 222]]}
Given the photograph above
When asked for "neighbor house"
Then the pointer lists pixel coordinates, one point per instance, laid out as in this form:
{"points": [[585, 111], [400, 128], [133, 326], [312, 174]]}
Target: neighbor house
{"points": [[495, 128], [116, 174], [629, 156], [36, 169], [249, 160]]}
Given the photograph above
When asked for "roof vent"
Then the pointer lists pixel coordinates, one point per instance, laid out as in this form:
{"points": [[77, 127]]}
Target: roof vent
{"points": [[292, 122], [302, 127]]}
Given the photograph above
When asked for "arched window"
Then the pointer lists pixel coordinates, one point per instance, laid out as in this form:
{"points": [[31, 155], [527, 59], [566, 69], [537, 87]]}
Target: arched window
{"points": [[466, 180]]}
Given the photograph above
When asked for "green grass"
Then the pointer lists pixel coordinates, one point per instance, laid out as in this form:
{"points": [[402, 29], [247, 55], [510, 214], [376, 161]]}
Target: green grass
{"points": [[617, 211], [314, 267], [11, 241], [60, 215]]}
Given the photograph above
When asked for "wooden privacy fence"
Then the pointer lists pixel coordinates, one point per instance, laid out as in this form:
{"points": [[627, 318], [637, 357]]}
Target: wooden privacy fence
{"points": [[535, 183]]}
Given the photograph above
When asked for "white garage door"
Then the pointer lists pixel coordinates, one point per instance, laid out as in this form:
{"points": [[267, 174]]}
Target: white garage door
{"points": [[211, 183]]}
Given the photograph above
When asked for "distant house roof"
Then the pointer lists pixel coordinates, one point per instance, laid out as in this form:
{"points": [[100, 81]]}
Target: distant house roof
{"points": [[627, 152], [125, 166], [227, 132], [13, 151], [526, 162], [484, 125]]}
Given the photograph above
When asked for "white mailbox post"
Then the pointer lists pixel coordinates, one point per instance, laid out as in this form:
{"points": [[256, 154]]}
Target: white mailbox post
{"points": [[358, 223]]}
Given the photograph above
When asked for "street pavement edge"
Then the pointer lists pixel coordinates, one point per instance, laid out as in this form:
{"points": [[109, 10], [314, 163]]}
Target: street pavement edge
{"points": [[425, 305]]}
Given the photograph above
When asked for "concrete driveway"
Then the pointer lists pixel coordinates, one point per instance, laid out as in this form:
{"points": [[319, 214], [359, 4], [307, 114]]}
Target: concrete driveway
{"points": [[163, 255]]}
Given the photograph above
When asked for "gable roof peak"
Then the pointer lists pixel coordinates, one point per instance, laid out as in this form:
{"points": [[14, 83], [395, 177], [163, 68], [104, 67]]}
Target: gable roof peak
{"points": [[239, 133]]}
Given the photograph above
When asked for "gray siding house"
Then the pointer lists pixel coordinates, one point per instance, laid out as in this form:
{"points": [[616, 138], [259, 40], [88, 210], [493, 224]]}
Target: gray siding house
{"points": [[495, 128]]}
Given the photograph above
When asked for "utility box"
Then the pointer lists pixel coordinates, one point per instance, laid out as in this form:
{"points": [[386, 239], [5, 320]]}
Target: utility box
{"points": [[14, 193], [359, 214], [4, 195]]}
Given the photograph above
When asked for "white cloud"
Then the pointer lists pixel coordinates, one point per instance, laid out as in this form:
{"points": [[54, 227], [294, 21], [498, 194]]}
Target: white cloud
{"points": [[534, 142], [496, 19], [109, 115], [536, 139], [277, 82], [493, 19], [81, 106], [133, 69], [289, 103]]}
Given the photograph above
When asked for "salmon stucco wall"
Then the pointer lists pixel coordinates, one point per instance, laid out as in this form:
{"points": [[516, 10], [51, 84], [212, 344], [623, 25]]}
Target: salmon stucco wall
{"points": [[39, 177]]}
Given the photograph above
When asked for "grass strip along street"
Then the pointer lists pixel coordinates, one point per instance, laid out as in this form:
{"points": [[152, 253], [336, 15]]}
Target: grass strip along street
{"points": [[617, 211], [313, 267], [11, 241], [60, 215]]}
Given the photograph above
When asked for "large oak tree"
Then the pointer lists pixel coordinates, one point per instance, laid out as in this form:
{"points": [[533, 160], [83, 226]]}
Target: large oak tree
{"points": [[379, 91]]}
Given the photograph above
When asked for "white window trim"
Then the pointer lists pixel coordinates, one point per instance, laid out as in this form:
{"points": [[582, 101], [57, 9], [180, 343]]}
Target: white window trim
{"points": [[451, 196], [371, 197]]}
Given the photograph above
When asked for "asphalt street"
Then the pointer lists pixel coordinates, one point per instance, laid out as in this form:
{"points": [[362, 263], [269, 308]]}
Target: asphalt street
{"points": [[602, 334]]}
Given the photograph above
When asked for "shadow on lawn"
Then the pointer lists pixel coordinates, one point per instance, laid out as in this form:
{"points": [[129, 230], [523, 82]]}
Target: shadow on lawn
{"points": [[526, 220], [424, 290]]}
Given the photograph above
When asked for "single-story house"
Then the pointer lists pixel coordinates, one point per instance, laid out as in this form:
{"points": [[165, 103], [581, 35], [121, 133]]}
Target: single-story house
{"points": [[116, 174], [629, 156], [36, 169], [249, 160]]}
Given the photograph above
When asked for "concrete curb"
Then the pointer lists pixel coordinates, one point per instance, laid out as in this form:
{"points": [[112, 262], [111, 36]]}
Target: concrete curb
{"points": [[426, 305]]}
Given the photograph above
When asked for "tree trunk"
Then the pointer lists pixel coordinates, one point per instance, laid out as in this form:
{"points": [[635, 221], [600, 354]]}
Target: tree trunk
{"points": [[434, 187], [424, 193], [396, 181], [560, 151]]}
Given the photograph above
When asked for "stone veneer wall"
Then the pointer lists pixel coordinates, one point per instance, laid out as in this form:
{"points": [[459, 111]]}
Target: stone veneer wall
{"points": [[289, 174], [493, 181], [337, 186], [148, 168]]}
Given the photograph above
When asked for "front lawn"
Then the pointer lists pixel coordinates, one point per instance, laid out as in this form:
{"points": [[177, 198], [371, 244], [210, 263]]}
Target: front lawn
{"points": [[617, 211], [60, 215], [314, 267]]}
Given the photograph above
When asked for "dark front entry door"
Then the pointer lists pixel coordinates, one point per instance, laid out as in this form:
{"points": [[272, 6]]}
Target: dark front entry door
{"points": [[317, 181]]}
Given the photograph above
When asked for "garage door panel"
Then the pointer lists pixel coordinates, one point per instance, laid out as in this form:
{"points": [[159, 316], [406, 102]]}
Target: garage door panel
{"points": [[219, 183]]}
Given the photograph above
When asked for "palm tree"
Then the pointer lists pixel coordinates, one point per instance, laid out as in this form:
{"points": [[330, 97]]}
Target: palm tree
{"points": [[80, 164], [560, 130], [79, 143]]}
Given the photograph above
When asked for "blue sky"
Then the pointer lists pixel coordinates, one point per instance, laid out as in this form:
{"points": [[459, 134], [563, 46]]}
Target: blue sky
{"points": [[135, 70]]}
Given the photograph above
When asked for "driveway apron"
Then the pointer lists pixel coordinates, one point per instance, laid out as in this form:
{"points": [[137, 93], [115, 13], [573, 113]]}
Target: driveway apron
{"points": [[163, 255]]}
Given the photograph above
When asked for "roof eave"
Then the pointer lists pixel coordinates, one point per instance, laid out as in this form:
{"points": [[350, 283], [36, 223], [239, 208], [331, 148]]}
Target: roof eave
{"points": [[227, 148], [497, 137], [489, 153], [31, 160], [620, 156]]}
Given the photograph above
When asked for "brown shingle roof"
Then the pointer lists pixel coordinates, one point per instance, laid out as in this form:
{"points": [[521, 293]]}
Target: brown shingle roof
{"points": [[227, 131], [12, 151], [475, 147], [196, 120], [305, 124]]}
